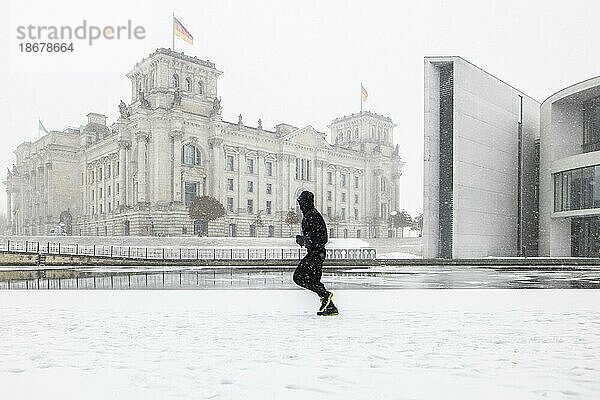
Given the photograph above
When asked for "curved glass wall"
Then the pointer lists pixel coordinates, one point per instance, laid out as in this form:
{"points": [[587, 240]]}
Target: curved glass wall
{"points": [[577, 189]]}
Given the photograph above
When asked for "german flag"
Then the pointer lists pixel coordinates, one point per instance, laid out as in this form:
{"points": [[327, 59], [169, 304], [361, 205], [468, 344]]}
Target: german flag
{"points": [[179, 30]]}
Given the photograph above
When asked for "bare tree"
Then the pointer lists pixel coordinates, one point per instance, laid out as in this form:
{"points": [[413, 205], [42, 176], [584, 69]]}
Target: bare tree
{"points": [[292, 219], [399, 219], [205, 209]]}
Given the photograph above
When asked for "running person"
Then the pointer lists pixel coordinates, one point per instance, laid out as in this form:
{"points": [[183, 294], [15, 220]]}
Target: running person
{"points": [[310, 268]]}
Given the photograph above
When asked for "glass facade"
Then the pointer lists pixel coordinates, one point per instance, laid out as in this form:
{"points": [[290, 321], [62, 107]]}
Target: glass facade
{"points": [[585, 237], [577, 189], [591, 125]]}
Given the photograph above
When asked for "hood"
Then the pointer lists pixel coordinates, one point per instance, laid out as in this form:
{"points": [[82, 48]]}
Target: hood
{"points": [[306, 201]]}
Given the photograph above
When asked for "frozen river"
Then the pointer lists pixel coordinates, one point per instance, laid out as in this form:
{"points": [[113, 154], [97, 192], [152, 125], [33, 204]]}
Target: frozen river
{"points": [[268, 344], [409, 277]]}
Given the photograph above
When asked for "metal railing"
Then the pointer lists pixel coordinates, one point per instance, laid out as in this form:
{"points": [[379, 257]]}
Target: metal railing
{"points": [[177, 253]]}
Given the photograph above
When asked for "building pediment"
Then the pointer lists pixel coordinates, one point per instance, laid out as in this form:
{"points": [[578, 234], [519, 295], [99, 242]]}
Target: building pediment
{"points": [[307, 136]]}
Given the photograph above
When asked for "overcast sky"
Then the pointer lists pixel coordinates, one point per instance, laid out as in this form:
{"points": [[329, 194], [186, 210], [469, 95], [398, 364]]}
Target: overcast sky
{"points": [[299, 62]]}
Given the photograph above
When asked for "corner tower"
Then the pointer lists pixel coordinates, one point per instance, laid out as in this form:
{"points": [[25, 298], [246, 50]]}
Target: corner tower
{"points": [[166, 78]]}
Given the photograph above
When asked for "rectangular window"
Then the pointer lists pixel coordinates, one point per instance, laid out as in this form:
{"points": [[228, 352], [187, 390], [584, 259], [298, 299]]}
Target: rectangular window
{"points": [[230, 204], [269, 188], [302, 169], [330, 178], [109, 207], [107, 170], [100, 174], [343, 180], [356, 181], [190, 191], [271, 230], [343, 197], [109, 190], [329, 196], [355, 199], [268, 207], [117, 188], [250, 165], [269, 168], [250, 186], [229, 163], [229, 184], [356, 214], [343, 214], [250, 206], [117, 168], [100, 208], [93, 195], [329, 212], [358, 233], [100, 192]]}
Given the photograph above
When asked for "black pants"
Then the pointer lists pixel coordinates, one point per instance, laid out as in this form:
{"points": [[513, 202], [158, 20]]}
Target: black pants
{"points": [[308, 273]]}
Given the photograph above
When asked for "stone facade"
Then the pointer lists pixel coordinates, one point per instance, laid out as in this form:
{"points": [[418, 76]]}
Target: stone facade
{"points": [[137, 176]]}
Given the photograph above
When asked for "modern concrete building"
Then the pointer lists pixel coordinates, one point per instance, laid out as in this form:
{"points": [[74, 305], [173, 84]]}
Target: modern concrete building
{"points": [[570, 172], [480, 158], [139, 174]]}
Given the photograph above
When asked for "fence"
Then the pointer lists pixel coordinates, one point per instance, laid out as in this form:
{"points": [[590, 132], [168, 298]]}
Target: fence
{"points": [[178, 253]]}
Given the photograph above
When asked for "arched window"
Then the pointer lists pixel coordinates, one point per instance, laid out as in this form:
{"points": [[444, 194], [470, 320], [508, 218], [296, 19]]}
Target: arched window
{"points": [[190, 155], [348, 135], [175, 81], [355, 133], [200, 87], [188, 84]]}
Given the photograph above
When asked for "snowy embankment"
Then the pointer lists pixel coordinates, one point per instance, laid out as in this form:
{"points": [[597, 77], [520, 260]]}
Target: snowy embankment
{"points": [[386, 344]]}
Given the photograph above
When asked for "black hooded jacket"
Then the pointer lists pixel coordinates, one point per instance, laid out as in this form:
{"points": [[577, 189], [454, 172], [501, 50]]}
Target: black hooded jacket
{"points": [[314, 229]]}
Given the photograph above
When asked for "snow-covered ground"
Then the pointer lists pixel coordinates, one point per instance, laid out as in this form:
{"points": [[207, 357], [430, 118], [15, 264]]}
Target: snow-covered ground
{"points": [[268, 344]]}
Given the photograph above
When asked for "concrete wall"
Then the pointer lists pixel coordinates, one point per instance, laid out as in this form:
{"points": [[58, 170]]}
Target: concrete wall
{"points": [[431, 159], [486, 116]]}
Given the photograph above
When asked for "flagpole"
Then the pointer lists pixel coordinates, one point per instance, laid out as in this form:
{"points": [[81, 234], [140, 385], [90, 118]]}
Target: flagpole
{"points": [[173, 30], [361, 97]]}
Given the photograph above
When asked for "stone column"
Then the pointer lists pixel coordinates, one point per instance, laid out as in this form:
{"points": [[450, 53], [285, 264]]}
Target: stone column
{"points": [[9, 206], [50, 193], [291, 178], [123, 168], [142, 141], [260, 196], [86, 182], [337, 190], [217, 157], [176, 137], [377, 192], [396, 190], [242, 183], [113, 192]]}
